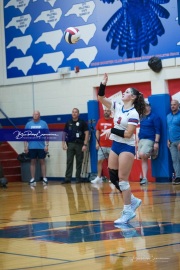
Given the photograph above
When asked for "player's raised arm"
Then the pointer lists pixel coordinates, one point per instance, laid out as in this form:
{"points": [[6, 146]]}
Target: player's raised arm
{"points": [[101, 93]]}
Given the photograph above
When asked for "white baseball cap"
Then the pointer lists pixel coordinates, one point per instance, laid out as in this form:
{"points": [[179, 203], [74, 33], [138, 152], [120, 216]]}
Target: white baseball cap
{"points": [[147, 101]]}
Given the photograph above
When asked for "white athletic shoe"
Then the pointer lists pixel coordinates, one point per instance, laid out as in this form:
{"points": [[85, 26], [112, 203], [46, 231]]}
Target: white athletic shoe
{"points": [[97, 180], [32, 181], [125, 217], [144, 181], [135, 203], [45, 181]]}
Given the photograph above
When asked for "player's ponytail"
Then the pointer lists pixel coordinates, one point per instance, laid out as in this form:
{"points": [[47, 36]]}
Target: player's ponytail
{"points": [[139, 103]]}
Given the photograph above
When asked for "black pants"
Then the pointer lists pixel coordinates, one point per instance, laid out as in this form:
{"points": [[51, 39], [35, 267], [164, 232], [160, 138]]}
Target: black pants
{"points": [[74, 150]]}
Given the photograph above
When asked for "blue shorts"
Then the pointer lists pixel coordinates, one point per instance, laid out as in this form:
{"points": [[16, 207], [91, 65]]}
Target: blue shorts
{"points": [[118, 148], [37, 153]]}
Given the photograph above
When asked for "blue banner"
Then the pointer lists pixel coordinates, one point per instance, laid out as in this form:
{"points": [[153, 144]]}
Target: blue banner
{"points": [[112, 33]]}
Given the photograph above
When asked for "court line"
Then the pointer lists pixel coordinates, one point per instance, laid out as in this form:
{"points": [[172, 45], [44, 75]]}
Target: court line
{"points": [[92, 258], [33, 256], [137, 250]]}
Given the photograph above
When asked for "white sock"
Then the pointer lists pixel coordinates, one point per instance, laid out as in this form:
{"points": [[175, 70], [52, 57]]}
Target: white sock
{"points": [[127, 207]]}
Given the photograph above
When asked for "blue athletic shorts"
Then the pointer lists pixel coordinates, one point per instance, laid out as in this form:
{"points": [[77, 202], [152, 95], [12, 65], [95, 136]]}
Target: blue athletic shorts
{"points": [[118, 148], [37, 153]]}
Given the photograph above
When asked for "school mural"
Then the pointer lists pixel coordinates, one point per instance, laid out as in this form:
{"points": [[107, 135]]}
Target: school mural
{"points": [[113, 32]]}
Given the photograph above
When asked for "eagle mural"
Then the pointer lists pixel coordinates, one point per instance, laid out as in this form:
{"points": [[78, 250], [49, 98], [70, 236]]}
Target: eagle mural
{"points": [[136, 26]]}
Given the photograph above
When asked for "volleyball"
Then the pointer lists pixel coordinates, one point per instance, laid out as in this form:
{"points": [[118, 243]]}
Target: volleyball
{"points": [[72, 35]]}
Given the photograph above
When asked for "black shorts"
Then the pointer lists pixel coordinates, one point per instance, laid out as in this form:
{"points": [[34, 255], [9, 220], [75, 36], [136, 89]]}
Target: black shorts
{"points": [[36, 153]]}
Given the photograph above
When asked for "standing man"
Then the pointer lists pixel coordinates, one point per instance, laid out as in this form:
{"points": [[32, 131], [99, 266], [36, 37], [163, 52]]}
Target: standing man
{"points": [[149, 136], [76, 136], [173, 125], [37, 149], [103, 144]]}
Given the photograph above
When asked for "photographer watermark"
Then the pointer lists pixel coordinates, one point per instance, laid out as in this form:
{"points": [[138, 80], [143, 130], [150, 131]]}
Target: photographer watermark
{"points": [[31, 135]]}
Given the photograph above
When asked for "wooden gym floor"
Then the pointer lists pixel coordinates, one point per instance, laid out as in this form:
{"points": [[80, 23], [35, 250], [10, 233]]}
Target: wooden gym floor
{"points": [[71, 227]]}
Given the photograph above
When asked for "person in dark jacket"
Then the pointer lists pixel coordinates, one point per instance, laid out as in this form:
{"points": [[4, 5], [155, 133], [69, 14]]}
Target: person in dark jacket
{"points": [[75, 142]]}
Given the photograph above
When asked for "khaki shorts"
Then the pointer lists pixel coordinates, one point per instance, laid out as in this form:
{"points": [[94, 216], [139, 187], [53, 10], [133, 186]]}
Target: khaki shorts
{"points": [[145, 146], [103, 153]]}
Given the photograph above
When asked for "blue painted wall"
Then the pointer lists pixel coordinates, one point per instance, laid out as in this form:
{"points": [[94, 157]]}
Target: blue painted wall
{"points": [[162, 166]]}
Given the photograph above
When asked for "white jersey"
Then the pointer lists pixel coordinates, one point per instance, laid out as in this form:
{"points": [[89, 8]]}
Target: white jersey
{"points": [[123, 118]]}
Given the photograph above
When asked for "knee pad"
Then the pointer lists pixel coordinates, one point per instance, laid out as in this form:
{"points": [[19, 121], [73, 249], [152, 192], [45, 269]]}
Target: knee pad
{"points": [[124, 185], [114, 178]]}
